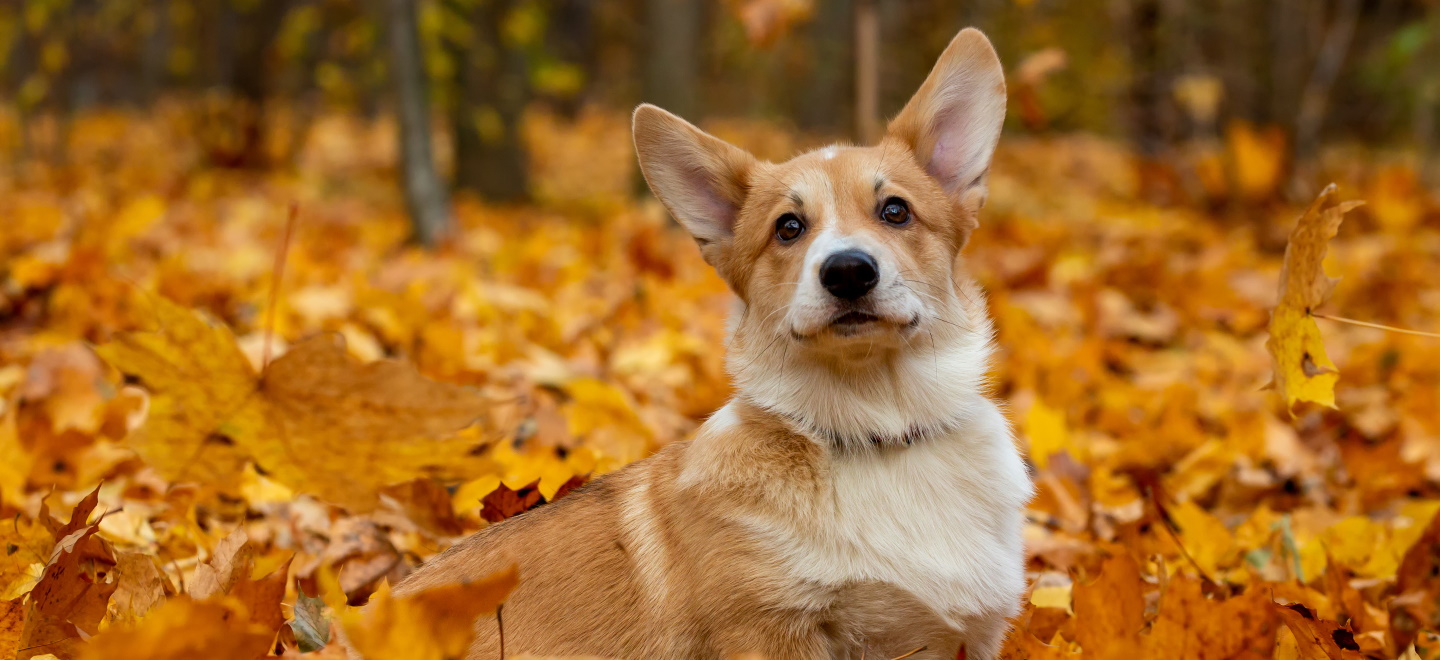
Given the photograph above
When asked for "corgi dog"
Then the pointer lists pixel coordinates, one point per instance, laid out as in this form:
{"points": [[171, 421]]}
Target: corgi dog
{"points": [[860, 496]]}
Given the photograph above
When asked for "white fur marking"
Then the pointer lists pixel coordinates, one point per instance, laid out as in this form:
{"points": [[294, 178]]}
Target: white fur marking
{"points": [[643, 543], [941, 520]]}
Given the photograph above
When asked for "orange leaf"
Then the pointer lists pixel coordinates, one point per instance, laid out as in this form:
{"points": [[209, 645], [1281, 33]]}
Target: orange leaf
{"points": [[434, 624]]}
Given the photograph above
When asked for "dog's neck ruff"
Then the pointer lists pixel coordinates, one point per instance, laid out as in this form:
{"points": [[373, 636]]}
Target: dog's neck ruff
{"points": [[925, 391]]}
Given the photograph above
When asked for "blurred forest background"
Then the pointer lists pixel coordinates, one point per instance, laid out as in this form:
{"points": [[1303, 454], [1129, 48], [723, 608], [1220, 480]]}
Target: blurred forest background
{"points": [[254, 76], [301, 292]]}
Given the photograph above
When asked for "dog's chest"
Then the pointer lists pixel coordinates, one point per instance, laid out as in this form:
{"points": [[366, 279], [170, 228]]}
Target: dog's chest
{"points": [[941, 520]]}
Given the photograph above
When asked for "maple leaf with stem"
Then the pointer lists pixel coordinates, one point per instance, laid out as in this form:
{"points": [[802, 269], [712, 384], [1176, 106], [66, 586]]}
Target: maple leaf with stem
{"points": [[1303, 371]]}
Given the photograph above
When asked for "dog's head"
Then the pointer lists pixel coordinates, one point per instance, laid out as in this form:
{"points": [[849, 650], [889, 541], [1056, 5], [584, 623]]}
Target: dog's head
{"points": [[844, 250]]}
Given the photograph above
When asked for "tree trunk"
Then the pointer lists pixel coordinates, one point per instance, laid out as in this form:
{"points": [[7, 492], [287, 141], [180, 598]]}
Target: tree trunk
{"points": [[1315, 101], [672, 68], [1147, 94], [424, 195], [867, 72], [491, 91], [824, 106], [159, 37]]}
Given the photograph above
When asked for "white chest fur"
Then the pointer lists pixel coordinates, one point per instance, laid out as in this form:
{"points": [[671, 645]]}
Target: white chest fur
{"points": [[940, 520]]}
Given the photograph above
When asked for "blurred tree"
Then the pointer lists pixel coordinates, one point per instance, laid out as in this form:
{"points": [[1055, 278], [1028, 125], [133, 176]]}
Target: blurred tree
{"points": [[244, 32], [1315, 100], [491, 89], [825, 107], [672, 63], [424, 194]]}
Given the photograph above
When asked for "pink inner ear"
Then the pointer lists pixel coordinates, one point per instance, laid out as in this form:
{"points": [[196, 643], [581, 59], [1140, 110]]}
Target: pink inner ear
{"points": [[714, 213], [940, 165], [958, 156]]}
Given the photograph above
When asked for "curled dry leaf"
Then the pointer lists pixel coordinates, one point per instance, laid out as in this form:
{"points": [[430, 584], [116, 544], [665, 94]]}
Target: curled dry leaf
{"points": [[1303, 371], [228, 573], [1316, 638]]}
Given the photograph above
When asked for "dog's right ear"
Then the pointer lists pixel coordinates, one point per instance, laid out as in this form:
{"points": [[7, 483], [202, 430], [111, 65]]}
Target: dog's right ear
{"points": [[700, 178]]}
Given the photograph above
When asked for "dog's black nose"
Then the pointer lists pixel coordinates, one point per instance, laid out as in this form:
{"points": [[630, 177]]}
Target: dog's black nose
{"points": [[850, 274]]}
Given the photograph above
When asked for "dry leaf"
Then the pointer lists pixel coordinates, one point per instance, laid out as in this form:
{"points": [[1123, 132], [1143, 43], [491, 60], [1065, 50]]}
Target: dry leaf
{"points": [[434, 624], [1110, 611], [1317, 639], [71, 597], [1303, 371], [317, 420]]}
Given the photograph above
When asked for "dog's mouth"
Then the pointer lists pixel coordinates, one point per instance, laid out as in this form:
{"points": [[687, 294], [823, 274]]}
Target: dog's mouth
{"points": [[854, 319]]}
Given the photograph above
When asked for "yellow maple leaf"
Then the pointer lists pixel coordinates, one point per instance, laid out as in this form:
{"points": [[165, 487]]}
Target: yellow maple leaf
{"points": [[434, 624], [1303, 371], [316, 420], [197, 377]]}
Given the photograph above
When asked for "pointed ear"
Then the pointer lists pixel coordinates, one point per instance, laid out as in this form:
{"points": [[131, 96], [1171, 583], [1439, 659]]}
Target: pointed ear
{"points": [[953, 122], [700, 178]]}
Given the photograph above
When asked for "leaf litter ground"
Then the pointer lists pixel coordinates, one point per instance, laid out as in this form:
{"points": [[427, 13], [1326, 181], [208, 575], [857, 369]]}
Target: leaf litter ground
{"points": [[409, 398]]}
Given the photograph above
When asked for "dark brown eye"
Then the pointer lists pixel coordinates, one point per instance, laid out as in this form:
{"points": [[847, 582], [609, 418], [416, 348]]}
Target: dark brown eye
{"points": [[788, 227], [895, 211]]}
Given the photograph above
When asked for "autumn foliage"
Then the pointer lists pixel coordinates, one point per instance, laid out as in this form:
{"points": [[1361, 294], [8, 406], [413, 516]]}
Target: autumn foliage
{"points": [[205, 455]]}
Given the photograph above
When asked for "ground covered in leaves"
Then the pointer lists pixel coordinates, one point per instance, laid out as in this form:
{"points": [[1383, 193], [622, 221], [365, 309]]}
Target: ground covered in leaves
{"points": [[233, 405]]}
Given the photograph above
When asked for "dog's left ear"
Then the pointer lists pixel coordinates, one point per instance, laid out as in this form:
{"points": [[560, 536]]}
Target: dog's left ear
{"points": [[953, 122]]}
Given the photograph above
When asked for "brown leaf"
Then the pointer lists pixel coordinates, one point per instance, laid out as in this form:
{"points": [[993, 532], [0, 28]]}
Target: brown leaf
{"points": [[12, 625], [1417, 583], [230, 562], [79, 516], [360, 553], [142, 586], [227, 573], [1317, 638], [71, 597], [503, 503], [428, 505]]}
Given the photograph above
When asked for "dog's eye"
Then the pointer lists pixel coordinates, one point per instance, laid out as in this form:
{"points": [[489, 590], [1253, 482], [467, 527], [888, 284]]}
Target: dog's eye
{"points": [[788, 227], [895, 211]]}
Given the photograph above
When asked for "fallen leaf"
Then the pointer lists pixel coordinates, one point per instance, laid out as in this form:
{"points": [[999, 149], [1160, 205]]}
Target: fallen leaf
{"points": [[316, 420], [142, 586], [1110, 611], [1190, 625], [434, 624], [311, 626], [71, 597], [12, 625], [503, 502], [184, 629], [1318, 639]]}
